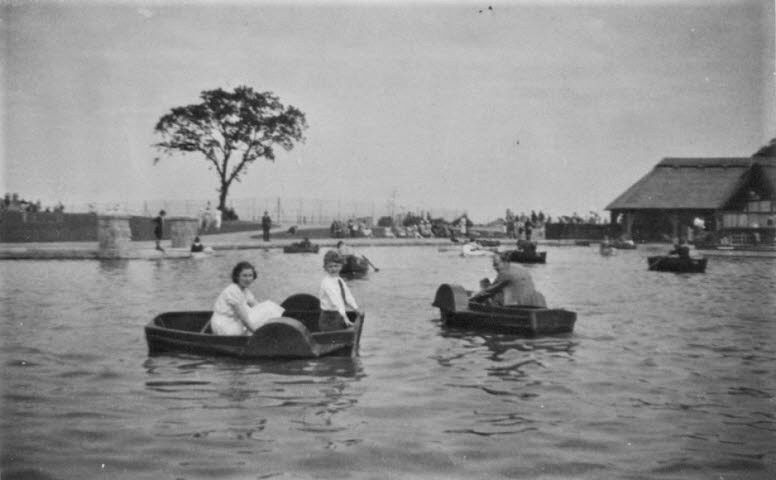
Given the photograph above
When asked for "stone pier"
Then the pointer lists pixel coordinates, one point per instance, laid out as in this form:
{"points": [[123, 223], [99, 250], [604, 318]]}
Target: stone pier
{"points": [[182, 231], [114, 236]]}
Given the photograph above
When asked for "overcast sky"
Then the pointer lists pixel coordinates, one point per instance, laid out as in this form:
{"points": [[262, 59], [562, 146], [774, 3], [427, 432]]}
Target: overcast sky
{"points": [[531, 105]]}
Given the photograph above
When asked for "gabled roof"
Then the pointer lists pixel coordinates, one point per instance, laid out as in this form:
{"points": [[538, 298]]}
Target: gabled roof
{"points": [[688, 183], [768, 166]]}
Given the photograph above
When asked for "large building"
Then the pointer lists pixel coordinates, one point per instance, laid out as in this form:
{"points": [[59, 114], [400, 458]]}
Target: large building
{"points": [[734, 199]]}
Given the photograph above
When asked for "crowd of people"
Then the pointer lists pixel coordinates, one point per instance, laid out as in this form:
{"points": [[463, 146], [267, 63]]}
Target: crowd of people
{"points": [[13, 203]]}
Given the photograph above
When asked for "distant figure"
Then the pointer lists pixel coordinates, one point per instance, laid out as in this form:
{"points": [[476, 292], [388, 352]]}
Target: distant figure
{"points": [[306, 243], [681, 249], [344, 250], [158, 222], [513, 285], [217, 217], [527, 246], [606, 247], [205, 218], [335, 296], [266, 224], [197, 246], [463, 225]]}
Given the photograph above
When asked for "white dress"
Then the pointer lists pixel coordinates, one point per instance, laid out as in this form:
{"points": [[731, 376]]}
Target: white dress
{"points": [[225, 320]]}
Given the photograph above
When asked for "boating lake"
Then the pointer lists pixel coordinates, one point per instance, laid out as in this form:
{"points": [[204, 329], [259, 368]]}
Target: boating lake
{"points": [[666, 376]]}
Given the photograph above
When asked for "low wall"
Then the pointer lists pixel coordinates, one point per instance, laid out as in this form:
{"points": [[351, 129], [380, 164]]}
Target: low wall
{"points": [[19, 227]]}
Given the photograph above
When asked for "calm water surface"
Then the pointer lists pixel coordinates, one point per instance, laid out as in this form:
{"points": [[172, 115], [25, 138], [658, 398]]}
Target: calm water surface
{"points": [[665, 377]]}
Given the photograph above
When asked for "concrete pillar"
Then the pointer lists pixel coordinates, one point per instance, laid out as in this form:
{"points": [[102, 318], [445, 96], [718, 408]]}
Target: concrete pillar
{"points": [[182, 231], [114, 236]]}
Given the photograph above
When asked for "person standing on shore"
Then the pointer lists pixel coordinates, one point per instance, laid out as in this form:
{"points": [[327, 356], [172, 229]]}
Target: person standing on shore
{"points": [[266, 224], [158, 222]]}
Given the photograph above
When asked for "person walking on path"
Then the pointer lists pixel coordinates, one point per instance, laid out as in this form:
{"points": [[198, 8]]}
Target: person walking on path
{"points": [[158, 222], [266, 224]]}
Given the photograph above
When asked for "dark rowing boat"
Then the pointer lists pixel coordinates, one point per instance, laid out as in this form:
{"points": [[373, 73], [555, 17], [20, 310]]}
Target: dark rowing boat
{"points": [[665, 263], [524, 256], [354, 266], [301, 248], [294, 335], [457, 310]]}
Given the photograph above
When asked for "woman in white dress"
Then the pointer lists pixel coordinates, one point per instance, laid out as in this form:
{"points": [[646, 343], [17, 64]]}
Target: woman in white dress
{"points": [[231, 312]]}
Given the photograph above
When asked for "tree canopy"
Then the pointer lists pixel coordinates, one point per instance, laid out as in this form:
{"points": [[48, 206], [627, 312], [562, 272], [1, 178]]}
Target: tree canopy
{"points": [[231, 130]]}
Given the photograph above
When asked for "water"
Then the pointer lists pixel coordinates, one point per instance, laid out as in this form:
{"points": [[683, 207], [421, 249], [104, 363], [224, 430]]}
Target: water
{"points": [[666, 376]]}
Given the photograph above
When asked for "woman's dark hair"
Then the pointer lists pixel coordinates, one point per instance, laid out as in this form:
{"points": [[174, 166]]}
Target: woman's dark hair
{"points": [[239, 268]]}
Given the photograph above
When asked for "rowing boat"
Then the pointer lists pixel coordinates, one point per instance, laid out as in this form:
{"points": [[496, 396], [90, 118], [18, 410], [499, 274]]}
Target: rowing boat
{"points": [[458, 310], [294, 335], [665, 263]]}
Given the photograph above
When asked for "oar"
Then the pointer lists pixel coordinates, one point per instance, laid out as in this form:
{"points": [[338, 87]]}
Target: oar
{"points": [[370, 263]]}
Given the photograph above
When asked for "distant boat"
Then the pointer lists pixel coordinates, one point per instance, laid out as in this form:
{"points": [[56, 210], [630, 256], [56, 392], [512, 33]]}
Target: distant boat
{"points": [[667, 263], [300, 247], [354, 266], [524, 256], [623, 244], [473, 249]]}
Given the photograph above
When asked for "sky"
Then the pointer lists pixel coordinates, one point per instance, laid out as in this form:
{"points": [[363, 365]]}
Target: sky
{"points": [[543, 105]]}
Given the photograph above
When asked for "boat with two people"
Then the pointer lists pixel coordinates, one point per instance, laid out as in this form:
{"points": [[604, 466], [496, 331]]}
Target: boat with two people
{"points": [[294, 334]]}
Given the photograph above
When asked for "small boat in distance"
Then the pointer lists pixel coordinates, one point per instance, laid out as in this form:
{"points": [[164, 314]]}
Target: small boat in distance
{"points": [[667, 263], [355, 266], [524, 256], [458, 310], [294, 335], [621, 244], [301, 247], [474, 249]]}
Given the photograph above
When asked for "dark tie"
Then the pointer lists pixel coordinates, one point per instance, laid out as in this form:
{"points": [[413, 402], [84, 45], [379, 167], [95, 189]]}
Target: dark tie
{"points": [[342, 291]]}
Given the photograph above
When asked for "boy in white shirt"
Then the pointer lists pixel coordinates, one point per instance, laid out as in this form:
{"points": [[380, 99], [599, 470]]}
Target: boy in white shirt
{"points": [[334, 294]]}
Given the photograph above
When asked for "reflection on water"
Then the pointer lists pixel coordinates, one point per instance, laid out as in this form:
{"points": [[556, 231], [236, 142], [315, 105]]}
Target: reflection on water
{"points": [[665, 376]]}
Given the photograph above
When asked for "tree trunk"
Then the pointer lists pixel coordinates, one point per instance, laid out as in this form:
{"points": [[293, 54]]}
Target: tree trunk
{"points": [[222, 192]]}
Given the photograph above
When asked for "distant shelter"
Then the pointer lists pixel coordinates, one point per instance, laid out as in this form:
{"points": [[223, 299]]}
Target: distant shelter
{"points": [[702, 199]]}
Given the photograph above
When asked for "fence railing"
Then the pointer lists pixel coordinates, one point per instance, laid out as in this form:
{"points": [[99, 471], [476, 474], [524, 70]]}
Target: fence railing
{"points": [[284, 211]]}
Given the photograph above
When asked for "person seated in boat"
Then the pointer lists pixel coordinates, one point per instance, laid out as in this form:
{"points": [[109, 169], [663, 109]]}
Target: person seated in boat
{"points": [[335, 296], [526, 246], [513, 285], [681, 249], [306, 243], [197, 246], [231, 311], [346, 251], [343, 249]]}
